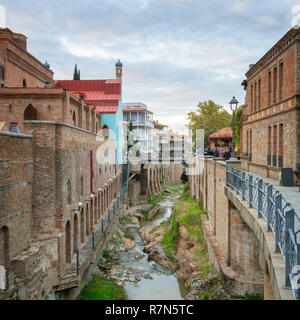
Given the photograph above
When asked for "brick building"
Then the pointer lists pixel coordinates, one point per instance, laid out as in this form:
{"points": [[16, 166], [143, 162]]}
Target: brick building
{"points": [[58, 191], [270, 137]]}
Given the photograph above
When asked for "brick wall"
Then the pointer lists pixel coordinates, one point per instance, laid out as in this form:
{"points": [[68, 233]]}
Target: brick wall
{"points": [[16, 170]]}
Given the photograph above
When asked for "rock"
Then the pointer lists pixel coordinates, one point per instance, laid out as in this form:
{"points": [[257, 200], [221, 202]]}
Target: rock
{"points": [[153, 212], [145, 208], [129, 244], [135, 221]]}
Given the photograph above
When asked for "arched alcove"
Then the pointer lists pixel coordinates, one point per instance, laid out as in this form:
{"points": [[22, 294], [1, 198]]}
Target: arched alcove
{"points": [[68, 242], [30, 113]]}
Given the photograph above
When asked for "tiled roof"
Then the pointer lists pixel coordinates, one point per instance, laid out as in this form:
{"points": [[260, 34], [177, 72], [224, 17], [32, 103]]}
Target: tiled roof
{"points": [[223, 133]]}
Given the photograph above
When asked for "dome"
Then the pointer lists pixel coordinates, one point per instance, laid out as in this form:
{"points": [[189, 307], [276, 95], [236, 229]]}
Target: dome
{"points": [[119, 63], [46, 64]]}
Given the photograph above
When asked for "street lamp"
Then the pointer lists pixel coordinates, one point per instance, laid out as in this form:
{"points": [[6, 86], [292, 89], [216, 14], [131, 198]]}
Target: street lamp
{"points": [[233, 105]]}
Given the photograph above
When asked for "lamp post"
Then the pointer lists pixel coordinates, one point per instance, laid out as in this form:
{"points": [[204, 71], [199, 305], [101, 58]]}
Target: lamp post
{"points": [[233, 105]]}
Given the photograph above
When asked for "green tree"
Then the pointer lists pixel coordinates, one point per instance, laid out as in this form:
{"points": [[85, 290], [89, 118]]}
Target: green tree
{"points": [[238, 119], [76, 75], [212, 116]]}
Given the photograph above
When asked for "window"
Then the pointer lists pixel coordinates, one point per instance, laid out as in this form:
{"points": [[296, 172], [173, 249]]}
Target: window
{"points": [[259, 95], [68, 242], [252, 107], [255, 95], [87, 220], [1, 73], [69, 192], [24, 83], [30, 113], [87, 120], [81, 186], [75, 234], [269, 87], [74, 119], [4, 247], [269, 145], [82, 225], [275, 145], [275, 85], [280, 156], [281, 81], [250, 147]]}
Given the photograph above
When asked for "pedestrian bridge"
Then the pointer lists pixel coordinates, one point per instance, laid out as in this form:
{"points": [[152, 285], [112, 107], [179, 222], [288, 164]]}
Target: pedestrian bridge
{"points": [[252, 231]]}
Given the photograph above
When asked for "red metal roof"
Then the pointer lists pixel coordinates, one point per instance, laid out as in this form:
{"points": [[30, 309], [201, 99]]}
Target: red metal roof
{"points": [[97, 92], [107, 109]]}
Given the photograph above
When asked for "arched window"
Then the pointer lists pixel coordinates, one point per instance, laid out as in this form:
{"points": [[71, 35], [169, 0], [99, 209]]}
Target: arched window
{"points": [[95, 211], [87, 220], [69, 192], [4, 247], [75, 234], [74, 118], [92, 215], [68, 242], [30, 113], [24, 83], [2, 73], [82, 225], [81, 186], [105, 131]]}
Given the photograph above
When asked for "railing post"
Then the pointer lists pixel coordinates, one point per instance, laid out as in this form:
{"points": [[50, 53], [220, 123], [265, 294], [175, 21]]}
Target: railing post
{"points": [[231, 178], [237, 181], [77, 262], [269, 207], [289, 224], [243, 185], [278, 207], [93, 240], [260, 185], [250, 190]]}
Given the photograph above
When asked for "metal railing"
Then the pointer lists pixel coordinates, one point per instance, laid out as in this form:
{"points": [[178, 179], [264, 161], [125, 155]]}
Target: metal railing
{"points": [[92, 241], [280, 216]]}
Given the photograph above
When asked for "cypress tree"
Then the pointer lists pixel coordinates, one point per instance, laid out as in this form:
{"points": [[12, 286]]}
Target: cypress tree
{"points": [[75, 75], [78, 75]]}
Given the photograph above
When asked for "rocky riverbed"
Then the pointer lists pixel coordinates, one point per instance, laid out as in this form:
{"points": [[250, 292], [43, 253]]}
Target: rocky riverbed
{"points": [[136, 260]]}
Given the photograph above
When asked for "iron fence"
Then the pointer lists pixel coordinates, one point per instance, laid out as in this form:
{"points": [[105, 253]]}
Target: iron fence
{"points": [[280, 216], [94, 238]]}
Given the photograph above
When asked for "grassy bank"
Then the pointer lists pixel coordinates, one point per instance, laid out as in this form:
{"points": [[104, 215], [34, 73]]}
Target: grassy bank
{"points": [[102, 289], [187, 213]]}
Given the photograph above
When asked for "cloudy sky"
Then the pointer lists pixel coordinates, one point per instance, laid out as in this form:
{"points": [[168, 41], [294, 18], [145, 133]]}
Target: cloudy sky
{"points": [[175, 52]]}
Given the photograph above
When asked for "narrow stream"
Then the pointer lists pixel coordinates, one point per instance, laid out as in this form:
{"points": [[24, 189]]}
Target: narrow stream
{"points": [[164, 285]]}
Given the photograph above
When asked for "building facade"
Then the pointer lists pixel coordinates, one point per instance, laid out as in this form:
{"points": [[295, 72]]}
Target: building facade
{"points": [[141, 119], [270, 137], [57, 201]]}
